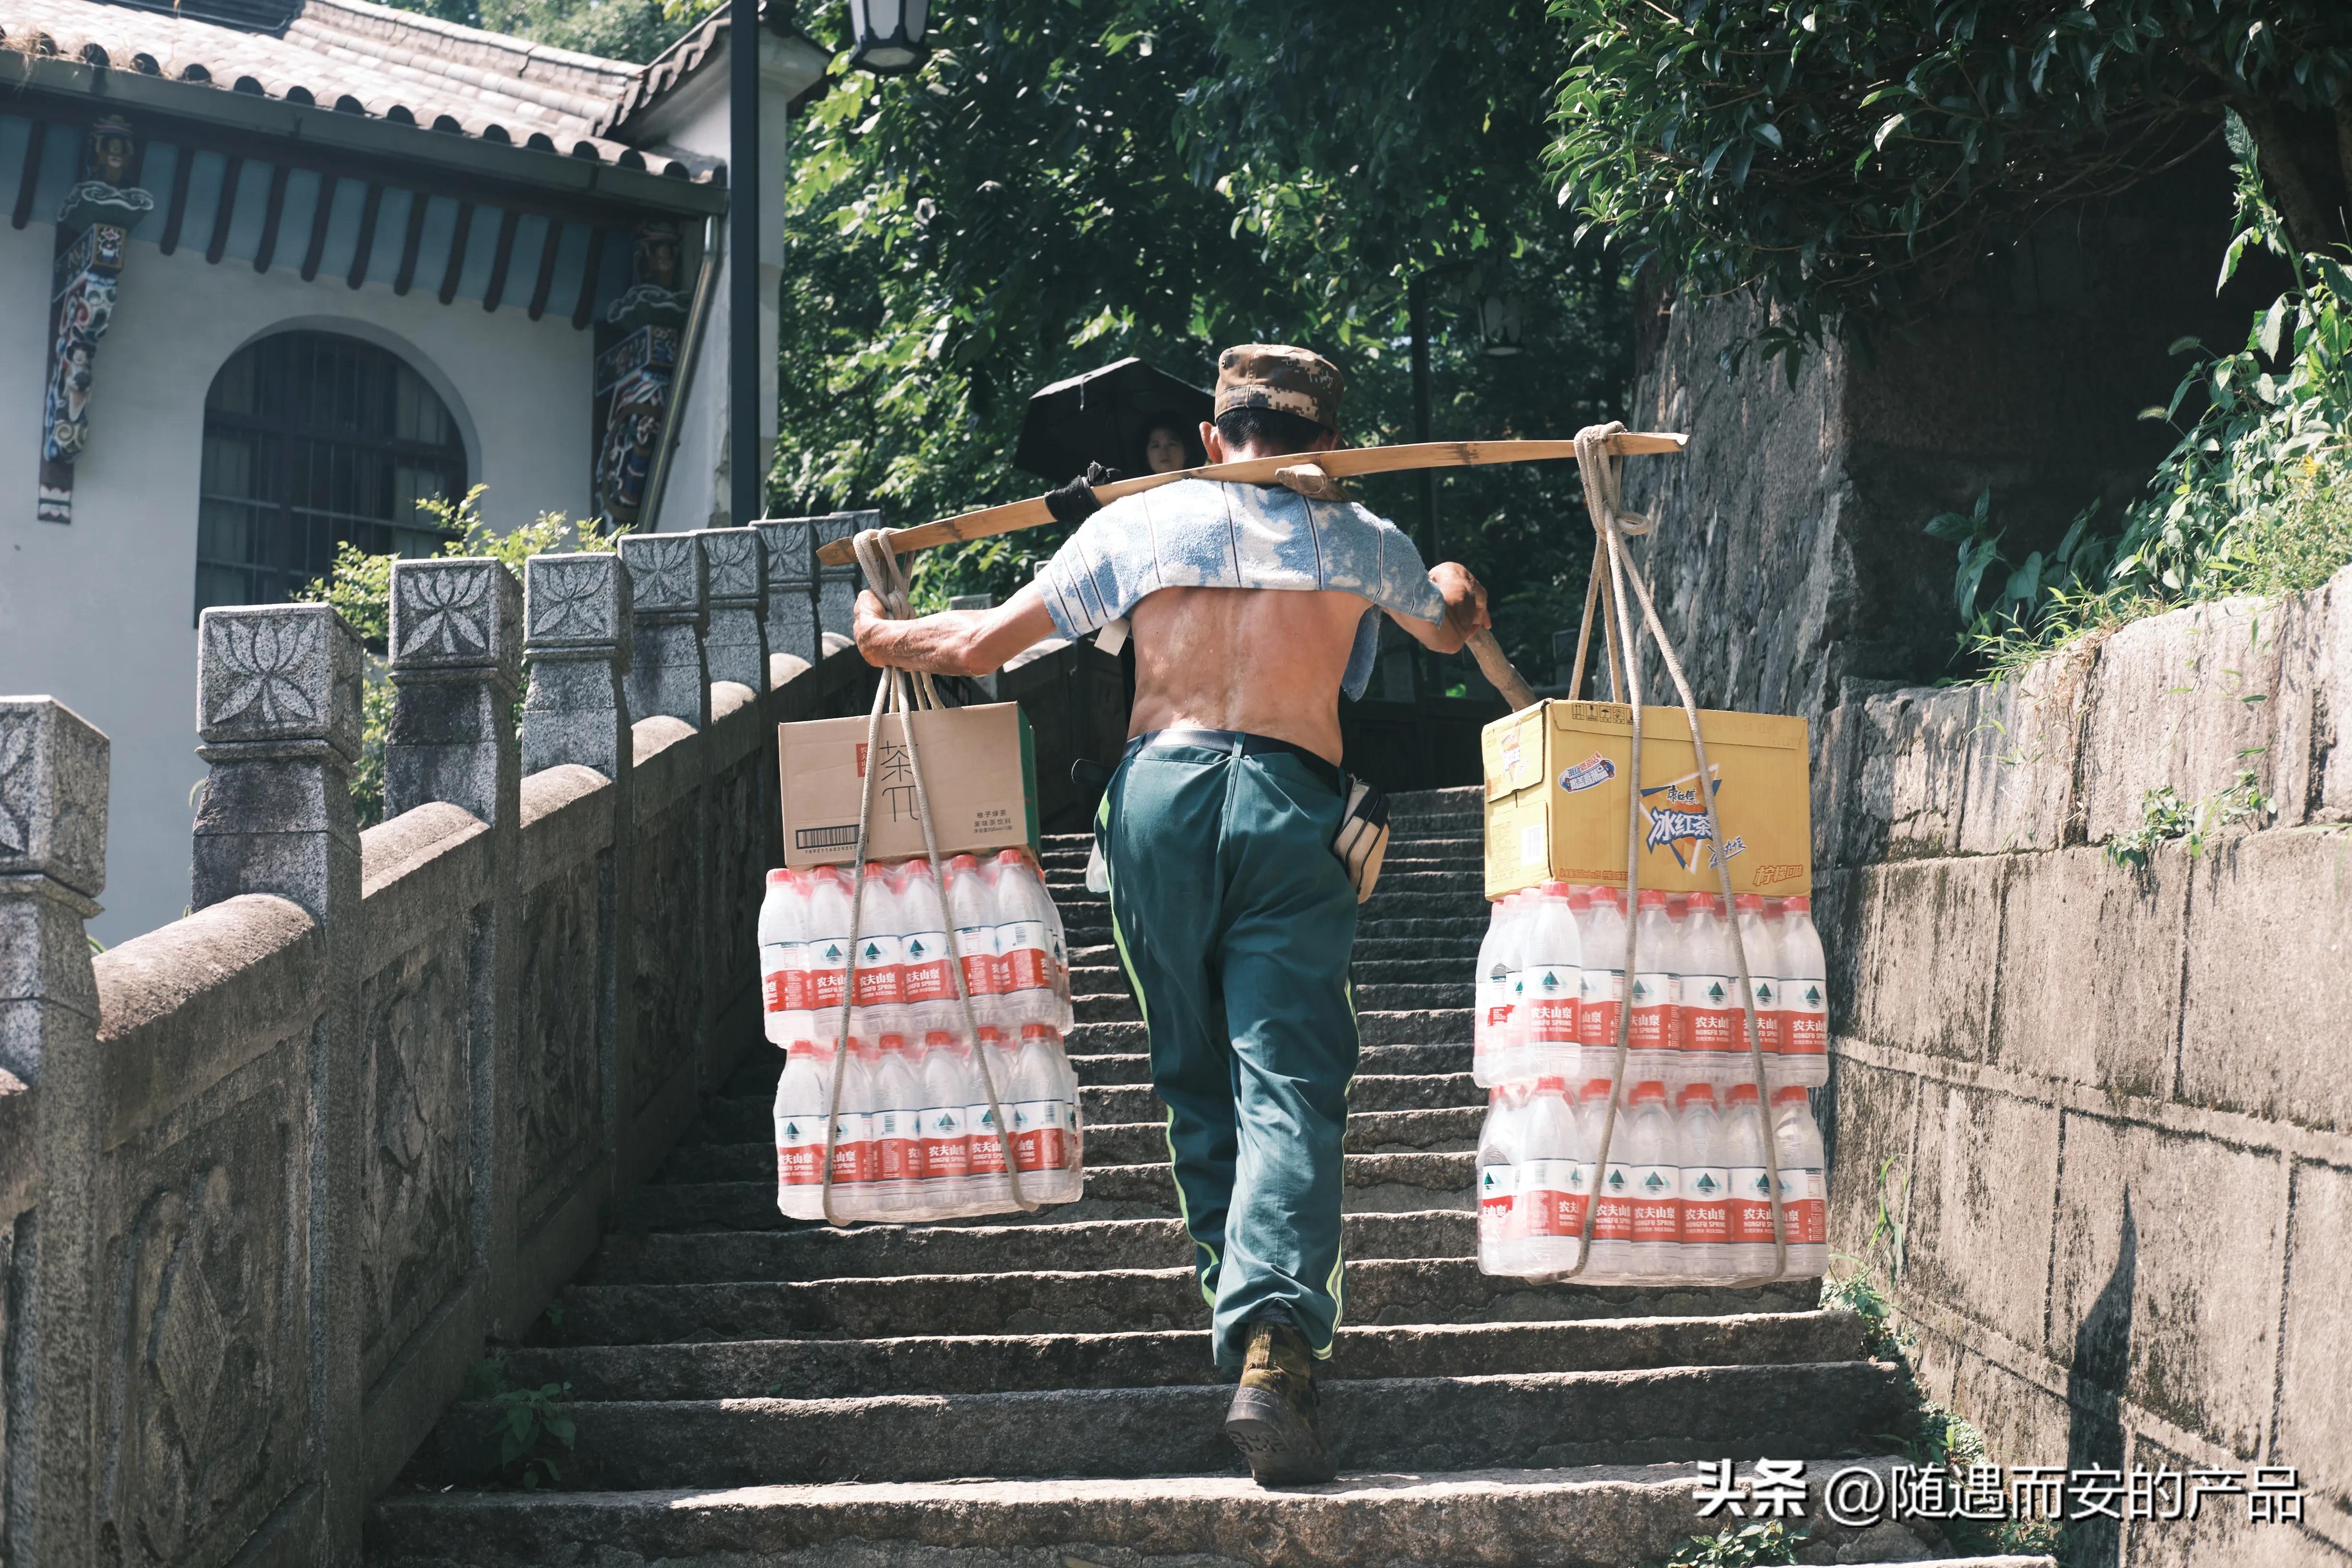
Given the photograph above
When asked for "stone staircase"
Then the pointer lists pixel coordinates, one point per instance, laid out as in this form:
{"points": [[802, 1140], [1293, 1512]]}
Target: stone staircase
{"points": [[1038, 1391]]}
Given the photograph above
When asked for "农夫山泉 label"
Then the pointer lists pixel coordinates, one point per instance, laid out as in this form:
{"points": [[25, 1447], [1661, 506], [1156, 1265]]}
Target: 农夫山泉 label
{"points": [[1550, 1196], [828, 968], [1804, 1197], [946, 1153], [1657, 1207], [800, 1150], [925, 970], [1804, 1017], [1711, 1019], [987, 1147], [898, 1145], [1653, 1001], [978, 945], [855, 1156], [1601, 997], [1615, 1222], [1023, 963], [783, 977], [1707, 1203], [1038, 1142], [1552, 993], [1751, 1205], [879, 981], [1496, 1187]]}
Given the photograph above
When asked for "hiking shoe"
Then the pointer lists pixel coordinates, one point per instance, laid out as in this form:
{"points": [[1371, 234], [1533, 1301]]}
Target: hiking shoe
{"points": [[1271, 1421]]}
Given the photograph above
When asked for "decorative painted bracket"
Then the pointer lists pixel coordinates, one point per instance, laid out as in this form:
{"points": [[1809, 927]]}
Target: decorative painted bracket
{"points": [[635, 372], [94, 228]]}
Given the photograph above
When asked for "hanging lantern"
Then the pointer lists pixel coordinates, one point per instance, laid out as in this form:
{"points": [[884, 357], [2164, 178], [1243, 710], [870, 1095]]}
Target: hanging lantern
{"points": [[1498, 325], [889, 35]]}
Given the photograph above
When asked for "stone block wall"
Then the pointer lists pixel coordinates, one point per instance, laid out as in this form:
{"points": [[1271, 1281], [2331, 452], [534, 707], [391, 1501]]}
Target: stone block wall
{"points": [[271, 1174], [2096, 1121]]}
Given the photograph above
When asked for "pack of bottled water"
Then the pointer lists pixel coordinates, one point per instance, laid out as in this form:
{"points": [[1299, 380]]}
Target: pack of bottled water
{"points": [[915, 1134], [1687, 1194]]}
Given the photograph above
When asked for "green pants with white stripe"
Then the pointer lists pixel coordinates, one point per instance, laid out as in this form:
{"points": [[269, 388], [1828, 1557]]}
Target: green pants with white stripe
{"points": [[1235, 922]]}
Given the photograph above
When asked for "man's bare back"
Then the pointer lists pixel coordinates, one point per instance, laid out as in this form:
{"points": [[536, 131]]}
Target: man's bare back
{"points": [[1267, 661]]}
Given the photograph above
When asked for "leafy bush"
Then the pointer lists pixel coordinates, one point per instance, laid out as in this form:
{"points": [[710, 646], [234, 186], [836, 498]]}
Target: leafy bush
{"points": [[360, 587], [528, 1422]]}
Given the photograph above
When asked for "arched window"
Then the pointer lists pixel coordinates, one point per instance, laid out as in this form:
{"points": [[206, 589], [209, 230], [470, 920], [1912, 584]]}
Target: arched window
{"points": [[312, 438]]}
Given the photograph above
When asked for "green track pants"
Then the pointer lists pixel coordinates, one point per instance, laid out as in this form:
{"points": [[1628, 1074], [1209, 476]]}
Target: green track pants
{"points": [[1235, 922]]}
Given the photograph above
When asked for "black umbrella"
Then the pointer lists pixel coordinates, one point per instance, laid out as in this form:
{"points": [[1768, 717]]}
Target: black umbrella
{"points": [[1105, 416]]}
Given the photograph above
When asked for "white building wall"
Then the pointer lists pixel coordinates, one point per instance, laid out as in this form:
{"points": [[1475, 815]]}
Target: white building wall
{"points": [[99, 614]]}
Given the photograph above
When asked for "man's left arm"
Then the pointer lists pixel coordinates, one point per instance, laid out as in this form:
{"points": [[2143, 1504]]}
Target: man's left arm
{"points": [[953, 642], [1466, 610]]}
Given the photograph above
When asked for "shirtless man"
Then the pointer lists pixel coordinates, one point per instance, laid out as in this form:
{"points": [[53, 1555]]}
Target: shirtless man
{"points": [[1251, 609]]}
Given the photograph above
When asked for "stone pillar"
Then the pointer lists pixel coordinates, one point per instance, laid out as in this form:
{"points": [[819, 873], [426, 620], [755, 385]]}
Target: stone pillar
{"points": [[53, 789], [278, 709], [836, 586], [790, 610], [455, 643], [735, 647], [576, 638], [670, 582]]}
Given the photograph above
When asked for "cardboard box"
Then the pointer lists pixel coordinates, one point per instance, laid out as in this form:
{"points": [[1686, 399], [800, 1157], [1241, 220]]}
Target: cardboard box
{"points": [[1558, 775], [980, 770]]}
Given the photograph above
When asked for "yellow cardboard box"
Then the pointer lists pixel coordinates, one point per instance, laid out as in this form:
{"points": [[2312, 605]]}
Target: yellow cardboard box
{"points": [[1558, 775], [980, 772]]}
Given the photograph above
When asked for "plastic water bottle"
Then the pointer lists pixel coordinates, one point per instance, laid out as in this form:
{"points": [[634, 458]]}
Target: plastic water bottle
{"points": [[1708, 994], [1648, 1152], [1751, 1184], [1490, 1028], [1554, 1178], [947, 1095], [1498, 1176], [802, 1090], [1024, 949], [925, 964], [972, 906], [1652, 994], [1706, 1232], [878, 977], [783, 959], [1042, 1145], [1612, 1220], [1601, 998], [897, 1131], [1804, 1195], [827, 949], [1554, 974], [1804, 998], [857, 1162], [1760, 939], [988, 1188]]}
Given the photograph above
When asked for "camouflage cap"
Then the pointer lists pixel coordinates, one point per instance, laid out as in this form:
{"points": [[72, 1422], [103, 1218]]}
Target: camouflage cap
{"points": [[1276, 375]]}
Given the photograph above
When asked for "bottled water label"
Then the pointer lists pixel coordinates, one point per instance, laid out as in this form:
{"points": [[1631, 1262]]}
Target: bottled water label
{"points": [[924, 964], [1751, 1205], [1551, 995], [1653, 1003], [978, 945], [1768, 1013], [1615, 1220], [878, 958], [1495, 1191], [1707, 1203], [800, 1150], [987, 1148], [783, 981], [1038, 1144], [1657, 1212], [1804, 1017], [1602, 993], [1804, 1201], [945, 1152], [1025, 962], [1712, 1019], [828, 965], [1551, 1196], [898, 1145], [852, 1148]]}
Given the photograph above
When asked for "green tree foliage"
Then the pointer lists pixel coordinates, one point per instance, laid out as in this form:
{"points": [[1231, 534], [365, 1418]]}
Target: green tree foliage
{"points": [[617, 29], [1063, 185], [1847, 160]]}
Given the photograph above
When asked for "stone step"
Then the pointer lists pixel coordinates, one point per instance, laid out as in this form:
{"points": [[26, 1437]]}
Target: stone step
{"points": [[1437, 915], [1455, 991], [1400, 875], [1099, 1300], [991, 1363], [1135, 1068], [1420, 1025], [1586, 1518], [877, 1251], [1806, 1411]]}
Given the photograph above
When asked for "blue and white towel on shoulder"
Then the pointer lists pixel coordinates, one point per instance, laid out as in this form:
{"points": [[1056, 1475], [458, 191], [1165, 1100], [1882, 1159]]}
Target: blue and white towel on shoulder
{"points": [[1204, 533]]}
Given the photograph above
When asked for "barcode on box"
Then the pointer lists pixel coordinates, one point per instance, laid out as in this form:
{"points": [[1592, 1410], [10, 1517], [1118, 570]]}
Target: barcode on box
{"points": [[841, 837]]}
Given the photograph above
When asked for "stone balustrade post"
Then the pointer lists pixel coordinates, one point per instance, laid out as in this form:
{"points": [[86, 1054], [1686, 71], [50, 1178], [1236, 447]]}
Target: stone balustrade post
{"points": [[669, 610], [278, 711], [736, 644], [577, 623], [791, 608], [53, 790], [836, 587], [456, 644]]}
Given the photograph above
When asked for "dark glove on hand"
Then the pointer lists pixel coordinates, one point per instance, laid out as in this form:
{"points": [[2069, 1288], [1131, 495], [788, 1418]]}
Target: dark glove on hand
{"points": [[1074, 502]]}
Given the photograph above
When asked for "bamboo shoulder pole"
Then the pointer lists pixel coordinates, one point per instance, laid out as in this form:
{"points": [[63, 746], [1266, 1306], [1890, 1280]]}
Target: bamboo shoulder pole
{"points": [[1345, 463]]}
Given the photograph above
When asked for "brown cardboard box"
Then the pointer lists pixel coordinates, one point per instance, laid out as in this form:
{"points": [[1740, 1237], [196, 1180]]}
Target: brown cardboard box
{"points": [[1556, 795], [980, 770]]}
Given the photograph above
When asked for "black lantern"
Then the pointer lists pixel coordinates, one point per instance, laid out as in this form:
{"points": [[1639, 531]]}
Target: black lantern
{"points": [[1498, 325], [889, 35]]}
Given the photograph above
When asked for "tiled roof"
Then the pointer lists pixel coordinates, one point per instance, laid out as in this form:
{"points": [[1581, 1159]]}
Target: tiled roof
{"points": [[360, 58]]}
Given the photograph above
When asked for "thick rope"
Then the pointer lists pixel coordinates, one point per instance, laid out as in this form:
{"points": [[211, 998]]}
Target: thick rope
{"points": [[895, 692], [1603, 475]]}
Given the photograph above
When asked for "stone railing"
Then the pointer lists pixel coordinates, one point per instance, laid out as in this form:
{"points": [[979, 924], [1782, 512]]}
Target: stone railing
{"points": [[2093, 1117], [271, 1175]]}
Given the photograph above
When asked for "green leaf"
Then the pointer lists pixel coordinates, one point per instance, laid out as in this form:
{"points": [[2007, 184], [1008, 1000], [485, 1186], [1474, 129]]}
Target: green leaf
{"points": [[1887, 127], [2274, 324]]}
